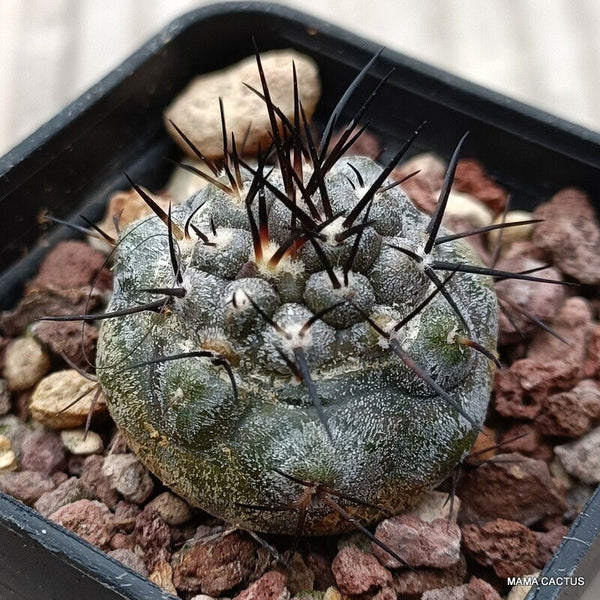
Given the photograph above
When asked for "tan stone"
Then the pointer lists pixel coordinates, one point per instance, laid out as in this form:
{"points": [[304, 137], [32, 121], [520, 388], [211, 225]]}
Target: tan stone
{"points": [[63, 400], [76, 441], [25, 364], [8, 459], [162, 576], [196, 110], [510, 235], [125, 207], [468, 208]]}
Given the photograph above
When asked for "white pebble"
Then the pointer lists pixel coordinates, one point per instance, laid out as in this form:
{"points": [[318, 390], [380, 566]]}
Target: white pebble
{"points": [[77, 442]]}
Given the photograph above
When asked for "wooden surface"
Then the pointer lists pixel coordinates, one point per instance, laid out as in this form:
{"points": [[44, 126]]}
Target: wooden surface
{"points": [[544, 52]]}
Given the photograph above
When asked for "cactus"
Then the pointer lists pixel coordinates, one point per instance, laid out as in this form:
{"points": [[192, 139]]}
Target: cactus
{"points": [[297, 348]]}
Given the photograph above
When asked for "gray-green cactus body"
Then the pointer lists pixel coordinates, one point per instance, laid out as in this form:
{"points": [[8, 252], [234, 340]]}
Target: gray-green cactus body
{"points": [[388, 435]]}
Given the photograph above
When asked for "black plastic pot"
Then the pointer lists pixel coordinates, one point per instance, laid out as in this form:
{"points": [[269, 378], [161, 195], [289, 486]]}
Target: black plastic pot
{"points": [[71, 164]]}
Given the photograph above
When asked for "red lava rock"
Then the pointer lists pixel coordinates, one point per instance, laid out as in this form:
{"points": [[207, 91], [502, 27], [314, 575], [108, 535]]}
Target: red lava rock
{"points": [[130, 559], [96, 483], [69, 338], [213, 564], [172, 509], [471, 178], [591, 366], [572, 322], [508, 547], [88, 519], [541, 300], [40, 302], [510, 486], [548, 541], [43, 451], [476, 589], [121, 540], [424, 187], [520, 390], [570, 414], [532, 444], [271, 586], [128, 476], [419, 543], [386, 594], [569, 236], [72, 264], [581, 457], [366, 145], [125, 517], [67, 492], [26, 486], [357, 572], [153, 535], [411, 584], [320, 565], [59, 477]]}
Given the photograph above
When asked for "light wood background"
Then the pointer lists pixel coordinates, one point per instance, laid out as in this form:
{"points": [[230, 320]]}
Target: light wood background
{"points": [[544, 52]]}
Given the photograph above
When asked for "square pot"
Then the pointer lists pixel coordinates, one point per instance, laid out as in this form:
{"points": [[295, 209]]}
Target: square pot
{"points": [[75, 161]]}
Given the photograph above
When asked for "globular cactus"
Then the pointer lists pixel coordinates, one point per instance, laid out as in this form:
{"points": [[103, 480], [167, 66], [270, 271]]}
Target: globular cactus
{"points": [[297, 348]]}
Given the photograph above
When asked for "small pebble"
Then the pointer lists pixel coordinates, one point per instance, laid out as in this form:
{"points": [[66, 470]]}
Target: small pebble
{"points": [[508, 547], [86, 518], [43, 451], [128, 476], [357, 572], [162, 576], [471, 178], [130, 559], [98, 485], [15, 430], [570, 414], [153, 536], [419, 543], [128, 206], [63, 400], [510, 486], [581, 458], [8, 459], [271, 586], [569, 236], [68, 339], [214, 564], [172, 509], [412, 583], [72, 265], [67, 492], [476, 589], [468, 208], [510, 235], [77, 442], [196, 109], [25, 363], [26, 486]]}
